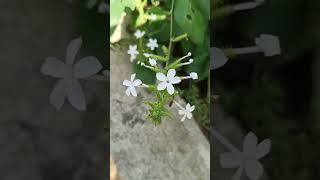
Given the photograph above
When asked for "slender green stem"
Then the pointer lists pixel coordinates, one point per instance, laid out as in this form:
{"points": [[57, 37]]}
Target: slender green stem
{"points": [[171, 32]]}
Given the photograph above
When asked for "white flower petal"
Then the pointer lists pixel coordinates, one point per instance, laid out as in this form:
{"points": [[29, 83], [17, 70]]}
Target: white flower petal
{"points": [[161, 77], [132, 77], [53, 67], [170, 88], [189, 115], [128, 91], [58, 95], [171, 73], [152, 62], [269, 44], [86, 67], [137, 82], [138, 34], [190, 108], [127, 83], [249, 144], [152, 44], [218, 58], [75, 94], [263, 149], [194, 75], [162, 86], [237, 175], [181, 112], [175, 80], [73, 49], [231, 159], [183, 118], [253, 169], [133, 91]]}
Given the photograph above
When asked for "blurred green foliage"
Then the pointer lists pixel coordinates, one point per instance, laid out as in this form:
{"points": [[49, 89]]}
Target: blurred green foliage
{"points": [[191, 17]]}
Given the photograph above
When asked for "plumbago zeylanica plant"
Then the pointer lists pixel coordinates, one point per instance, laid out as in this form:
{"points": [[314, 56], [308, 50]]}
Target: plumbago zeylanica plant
{"points": [[166, 67]]}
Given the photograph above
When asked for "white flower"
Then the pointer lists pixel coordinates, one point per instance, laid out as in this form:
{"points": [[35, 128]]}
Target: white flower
{"points": [[187, 112], [69, 73], [139, 34], [152, 62], [131, 85], [248, 159], [133, 52], [168, 81], [152, 44], [193, 75]]}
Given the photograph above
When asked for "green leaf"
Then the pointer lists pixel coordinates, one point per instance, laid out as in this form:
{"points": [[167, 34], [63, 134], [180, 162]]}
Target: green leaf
{"points": [[190, 20], [117, 7], [203, 6], [146, 75]]}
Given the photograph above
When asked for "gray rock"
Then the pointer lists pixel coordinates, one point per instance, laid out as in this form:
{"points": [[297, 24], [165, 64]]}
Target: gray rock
{"points": [[174, 150]]}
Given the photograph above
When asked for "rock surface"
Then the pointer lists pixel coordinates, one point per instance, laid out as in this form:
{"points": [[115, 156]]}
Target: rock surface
{"points": [[174, 150]]}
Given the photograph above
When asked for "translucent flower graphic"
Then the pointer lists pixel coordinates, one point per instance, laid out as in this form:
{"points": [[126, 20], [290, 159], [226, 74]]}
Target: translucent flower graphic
{"points": [[139, 34], [69, 87], [248, 159], [152, 44], [218, 58], [132, 84], [133, 52], [186, 112], [168, 81]]}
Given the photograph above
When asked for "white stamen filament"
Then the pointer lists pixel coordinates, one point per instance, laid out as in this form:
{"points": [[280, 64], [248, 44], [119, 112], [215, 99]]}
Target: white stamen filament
{"points": [[147, 66], [185, 77], [178, 105], [186, 56], [186, 63], [144, 85]]}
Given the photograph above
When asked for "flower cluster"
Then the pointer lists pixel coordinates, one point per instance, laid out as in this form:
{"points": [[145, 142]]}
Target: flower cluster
{"points": [[165, 69]]}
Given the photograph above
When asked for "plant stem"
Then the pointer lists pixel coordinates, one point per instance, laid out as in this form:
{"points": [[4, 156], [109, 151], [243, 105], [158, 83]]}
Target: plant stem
{"points": [[171, 32]]}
